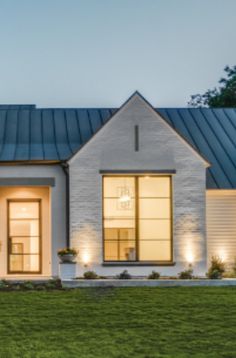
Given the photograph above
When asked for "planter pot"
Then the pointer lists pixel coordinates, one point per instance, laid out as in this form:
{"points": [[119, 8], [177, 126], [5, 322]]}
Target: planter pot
{"points": [[68, 258]]}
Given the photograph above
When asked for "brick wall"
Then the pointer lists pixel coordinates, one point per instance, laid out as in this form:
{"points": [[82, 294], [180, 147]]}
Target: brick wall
{"points": [[159, 148]]}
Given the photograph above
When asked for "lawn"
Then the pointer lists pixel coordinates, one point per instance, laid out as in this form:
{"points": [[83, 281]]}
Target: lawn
{"points": [[119, 322]]}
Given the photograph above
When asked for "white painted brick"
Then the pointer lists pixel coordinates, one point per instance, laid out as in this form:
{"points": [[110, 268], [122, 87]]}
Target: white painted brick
{"points": [[160, 148]]}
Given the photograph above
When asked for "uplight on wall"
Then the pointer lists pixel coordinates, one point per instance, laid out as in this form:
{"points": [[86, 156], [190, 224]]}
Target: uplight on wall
{"points": [[85, 259], [222, 255], [189, 257]]}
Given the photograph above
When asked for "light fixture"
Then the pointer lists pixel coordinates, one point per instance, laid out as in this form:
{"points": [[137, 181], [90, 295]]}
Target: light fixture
{"points": [[124, 198], [189, 257], [85, 259]]}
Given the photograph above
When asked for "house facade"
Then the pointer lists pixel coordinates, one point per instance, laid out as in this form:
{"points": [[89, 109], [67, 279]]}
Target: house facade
{"points": [[133, 188]]}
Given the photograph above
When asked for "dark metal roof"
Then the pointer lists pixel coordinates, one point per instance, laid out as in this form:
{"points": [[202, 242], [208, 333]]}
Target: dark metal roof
{"points": [[33, 134]]}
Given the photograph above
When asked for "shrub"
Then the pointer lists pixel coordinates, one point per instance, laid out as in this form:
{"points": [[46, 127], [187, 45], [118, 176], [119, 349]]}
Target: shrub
{"points": [[28, 285], [216, 269], [4, 284], [53, 284], [234, 267], [186, 274], [90, 275], [154, 275], [124, 275]]}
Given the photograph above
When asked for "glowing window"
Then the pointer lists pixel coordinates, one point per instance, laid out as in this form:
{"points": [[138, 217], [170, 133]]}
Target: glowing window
{"points": [[137, 218], [24, 240]]}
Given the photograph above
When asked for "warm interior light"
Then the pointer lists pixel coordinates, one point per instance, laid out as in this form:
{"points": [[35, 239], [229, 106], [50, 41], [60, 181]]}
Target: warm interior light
{"points": [[124, 198]]}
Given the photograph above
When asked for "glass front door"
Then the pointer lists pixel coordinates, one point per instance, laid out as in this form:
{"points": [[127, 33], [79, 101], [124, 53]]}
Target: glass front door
{"points": [[24, 236]]}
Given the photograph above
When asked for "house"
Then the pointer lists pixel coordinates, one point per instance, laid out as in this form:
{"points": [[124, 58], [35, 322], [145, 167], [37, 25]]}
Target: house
{"points": [[134, 188]]}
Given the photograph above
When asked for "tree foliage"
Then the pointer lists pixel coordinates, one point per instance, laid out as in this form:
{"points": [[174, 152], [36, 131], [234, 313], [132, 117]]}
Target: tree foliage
{"points": [[223, 96]]}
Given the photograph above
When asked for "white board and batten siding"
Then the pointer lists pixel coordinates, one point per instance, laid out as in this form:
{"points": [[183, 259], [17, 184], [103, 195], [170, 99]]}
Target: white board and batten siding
{"points": [[221, 224]]}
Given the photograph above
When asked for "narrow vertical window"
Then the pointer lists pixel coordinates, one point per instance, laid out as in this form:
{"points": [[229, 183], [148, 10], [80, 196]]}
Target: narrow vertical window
{"points": [[154, 219], [119, 219], [137, 218], [24, 236]]}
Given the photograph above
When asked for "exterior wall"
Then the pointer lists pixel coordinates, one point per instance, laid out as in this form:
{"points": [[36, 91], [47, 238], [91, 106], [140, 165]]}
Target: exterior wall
{"points": [[221, 225], [54, 213], [112, 148]]}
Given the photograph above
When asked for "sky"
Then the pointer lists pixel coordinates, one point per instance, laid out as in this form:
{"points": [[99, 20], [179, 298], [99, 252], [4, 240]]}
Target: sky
{"points": [[96, 53]]}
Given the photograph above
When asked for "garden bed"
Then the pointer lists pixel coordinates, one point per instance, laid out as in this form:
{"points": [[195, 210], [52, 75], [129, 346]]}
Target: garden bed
{"points": [[139, 282]]}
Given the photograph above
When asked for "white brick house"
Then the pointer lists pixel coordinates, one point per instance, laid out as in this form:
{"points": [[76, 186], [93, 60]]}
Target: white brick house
{"points": [[136, 188]]}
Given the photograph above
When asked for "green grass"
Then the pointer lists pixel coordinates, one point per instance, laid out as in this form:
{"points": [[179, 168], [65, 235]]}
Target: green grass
{"points": [[121, 322]]}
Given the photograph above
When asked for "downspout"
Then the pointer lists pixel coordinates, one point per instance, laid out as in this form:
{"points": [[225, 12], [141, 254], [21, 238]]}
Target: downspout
{"points": [[65, 168]]}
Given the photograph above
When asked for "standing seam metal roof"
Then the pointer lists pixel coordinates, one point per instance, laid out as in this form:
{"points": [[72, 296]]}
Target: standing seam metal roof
{"points": [[28, 133]]}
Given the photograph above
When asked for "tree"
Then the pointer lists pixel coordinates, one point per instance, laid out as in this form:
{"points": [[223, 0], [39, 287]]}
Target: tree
{"points": [[223, 96]]}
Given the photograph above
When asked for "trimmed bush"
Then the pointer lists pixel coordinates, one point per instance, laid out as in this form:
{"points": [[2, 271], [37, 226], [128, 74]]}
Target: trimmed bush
{"points": [[154, 275], [90, 275], [53, 284], [186, 274], [4, 284], [28, 285], [216, 269], [124, 275]]}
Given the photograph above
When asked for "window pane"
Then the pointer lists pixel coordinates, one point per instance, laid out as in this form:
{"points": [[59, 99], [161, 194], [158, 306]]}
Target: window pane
{"points": [[127, 250], [111, 250], [114, 186], [24, 263], [111, 234], [114, 208], [26, 245], [120, 250], [24, 227], [154, 229], [154, 187], [155, 250], [119, 234], [113, 223], [154, 208], [24, 210]]}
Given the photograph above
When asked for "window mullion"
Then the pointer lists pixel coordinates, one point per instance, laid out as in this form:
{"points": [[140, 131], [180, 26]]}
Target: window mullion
{"points": [[137, 218]]}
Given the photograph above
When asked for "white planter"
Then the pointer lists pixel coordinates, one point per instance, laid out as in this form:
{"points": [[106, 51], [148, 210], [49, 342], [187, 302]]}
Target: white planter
{"points": [[68, 258], [67, 271]]}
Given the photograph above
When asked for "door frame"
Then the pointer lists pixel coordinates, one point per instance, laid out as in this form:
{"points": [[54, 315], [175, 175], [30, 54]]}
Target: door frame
{"points": [[39, 201]]}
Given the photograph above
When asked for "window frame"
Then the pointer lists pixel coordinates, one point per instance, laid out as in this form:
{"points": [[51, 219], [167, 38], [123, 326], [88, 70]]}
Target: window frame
{"points": [[25, 200], [136, 177]]}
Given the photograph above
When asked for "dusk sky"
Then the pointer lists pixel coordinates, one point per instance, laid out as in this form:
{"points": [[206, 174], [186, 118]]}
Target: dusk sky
{"points": [[95, 53]]}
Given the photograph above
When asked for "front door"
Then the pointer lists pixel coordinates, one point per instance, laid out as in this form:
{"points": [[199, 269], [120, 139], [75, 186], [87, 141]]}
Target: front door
{"points": [[24, 236]]}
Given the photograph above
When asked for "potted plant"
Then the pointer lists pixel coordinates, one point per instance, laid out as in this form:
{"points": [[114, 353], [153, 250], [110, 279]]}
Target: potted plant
{"points": [[67, 255]]}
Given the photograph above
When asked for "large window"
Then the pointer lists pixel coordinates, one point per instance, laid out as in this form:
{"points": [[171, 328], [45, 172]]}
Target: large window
{"points": [[137, 218], [24, 242]]}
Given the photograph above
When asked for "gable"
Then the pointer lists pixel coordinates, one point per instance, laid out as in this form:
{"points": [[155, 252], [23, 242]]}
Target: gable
{"points": [[159, 145]]}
